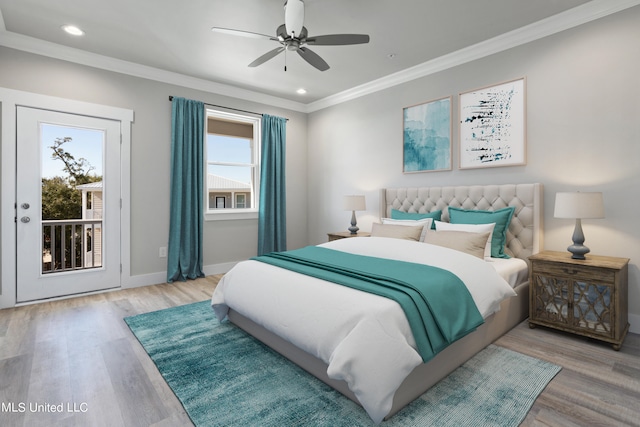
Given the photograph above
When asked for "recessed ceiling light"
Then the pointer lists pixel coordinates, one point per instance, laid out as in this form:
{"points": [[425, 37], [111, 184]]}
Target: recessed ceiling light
{"points": [[301, 91], [73, 30]]}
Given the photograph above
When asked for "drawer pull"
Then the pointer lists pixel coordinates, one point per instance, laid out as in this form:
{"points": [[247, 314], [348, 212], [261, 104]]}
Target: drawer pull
{"points": [[567, 271]]}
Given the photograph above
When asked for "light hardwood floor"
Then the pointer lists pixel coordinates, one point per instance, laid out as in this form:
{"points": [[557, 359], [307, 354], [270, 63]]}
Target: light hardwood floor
{"points": [[80, 354]]}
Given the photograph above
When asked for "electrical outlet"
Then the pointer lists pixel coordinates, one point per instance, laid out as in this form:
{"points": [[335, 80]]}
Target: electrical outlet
{"points": [[162, 253]]}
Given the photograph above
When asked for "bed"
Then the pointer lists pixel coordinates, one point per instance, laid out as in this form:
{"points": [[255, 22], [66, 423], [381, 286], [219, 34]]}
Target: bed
{"points": [[258, 298]]}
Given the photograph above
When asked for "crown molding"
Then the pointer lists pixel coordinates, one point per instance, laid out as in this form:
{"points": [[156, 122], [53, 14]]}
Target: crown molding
{"points": [[78, 56], [571, 18]]}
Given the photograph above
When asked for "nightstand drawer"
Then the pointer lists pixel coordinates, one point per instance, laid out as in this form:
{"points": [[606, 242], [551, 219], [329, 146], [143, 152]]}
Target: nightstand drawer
{"points": [[571, 271]]}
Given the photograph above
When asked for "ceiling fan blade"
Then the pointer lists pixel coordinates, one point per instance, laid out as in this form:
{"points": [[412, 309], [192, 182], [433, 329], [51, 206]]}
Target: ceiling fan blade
{"points": [[338, 39], [243, 33], [313, 59], [267, 56]]}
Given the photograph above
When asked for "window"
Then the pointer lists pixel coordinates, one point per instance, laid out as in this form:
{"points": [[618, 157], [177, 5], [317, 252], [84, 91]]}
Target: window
{"points": [[241, 201], [233, 165]]}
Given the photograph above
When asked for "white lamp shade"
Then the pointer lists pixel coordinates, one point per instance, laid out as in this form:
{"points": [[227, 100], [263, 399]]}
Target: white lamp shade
{"points": [[579, 205], [354, 203]]}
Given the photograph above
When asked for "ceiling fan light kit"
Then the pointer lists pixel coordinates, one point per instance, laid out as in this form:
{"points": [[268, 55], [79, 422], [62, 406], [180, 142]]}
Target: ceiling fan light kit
{"points": [[293, 17], [293, 36]]}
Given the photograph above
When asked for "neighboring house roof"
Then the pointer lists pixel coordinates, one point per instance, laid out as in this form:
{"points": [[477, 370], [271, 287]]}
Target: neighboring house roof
{"points": [[90, 186], [215, 182]]}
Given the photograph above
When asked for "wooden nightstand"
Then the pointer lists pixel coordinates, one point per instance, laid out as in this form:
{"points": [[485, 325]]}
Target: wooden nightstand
{"points": [[585, 297], [346, 234]]}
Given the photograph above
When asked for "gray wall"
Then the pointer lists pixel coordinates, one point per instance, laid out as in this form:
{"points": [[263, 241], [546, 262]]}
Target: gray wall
{"points": [[583, 134], [225, 241]]}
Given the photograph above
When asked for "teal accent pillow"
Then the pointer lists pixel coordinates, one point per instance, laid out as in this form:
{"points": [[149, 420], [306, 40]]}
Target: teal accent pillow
{"points": [[435, 215], [502, 218]]}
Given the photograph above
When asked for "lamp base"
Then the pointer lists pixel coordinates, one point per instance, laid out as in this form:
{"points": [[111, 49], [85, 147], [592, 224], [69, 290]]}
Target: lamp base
{"points": [[354, 228], [578, 251]]}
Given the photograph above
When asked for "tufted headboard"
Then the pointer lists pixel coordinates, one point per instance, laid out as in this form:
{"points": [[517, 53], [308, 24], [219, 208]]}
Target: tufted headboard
{"points": [[524, 236]]}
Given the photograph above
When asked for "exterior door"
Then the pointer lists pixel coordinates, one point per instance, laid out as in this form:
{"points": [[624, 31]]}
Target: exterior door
{"points": [[68, 204]]}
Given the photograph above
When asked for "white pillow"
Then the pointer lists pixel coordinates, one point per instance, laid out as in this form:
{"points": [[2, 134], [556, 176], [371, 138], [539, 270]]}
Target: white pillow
{"points": [[471, 228], [425, 223]]}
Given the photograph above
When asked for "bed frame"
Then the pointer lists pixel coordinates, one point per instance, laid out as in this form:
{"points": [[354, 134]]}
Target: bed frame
{"points": [[524, 238]]}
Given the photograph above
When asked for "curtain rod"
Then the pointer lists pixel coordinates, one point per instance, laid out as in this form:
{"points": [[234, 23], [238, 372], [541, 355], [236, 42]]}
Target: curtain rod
{"points": [[229, 108]]}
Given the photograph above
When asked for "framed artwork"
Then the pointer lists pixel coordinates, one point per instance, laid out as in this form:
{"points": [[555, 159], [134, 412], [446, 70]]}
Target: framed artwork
{"points": [[426, 136], [493, 126]]}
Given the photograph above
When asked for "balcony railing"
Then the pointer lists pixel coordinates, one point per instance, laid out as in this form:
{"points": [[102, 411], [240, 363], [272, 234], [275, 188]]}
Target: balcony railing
{"points": [[74, 244]]}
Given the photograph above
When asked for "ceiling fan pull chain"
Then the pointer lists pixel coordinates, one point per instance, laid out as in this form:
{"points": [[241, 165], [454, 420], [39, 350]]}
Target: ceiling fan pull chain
{"points": [[285, 60]]}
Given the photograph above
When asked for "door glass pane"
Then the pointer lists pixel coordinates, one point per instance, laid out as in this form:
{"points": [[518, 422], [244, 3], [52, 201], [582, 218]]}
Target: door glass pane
{"points": [[551, 299], [72, 194], [592, 306]]}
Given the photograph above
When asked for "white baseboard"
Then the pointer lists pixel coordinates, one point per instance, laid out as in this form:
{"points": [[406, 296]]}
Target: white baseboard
{"points": [[161, 277], [144, 280]]}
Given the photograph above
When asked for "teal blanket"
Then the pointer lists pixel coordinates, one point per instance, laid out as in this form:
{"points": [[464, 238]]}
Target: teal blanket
{"points": [[438, 305]]}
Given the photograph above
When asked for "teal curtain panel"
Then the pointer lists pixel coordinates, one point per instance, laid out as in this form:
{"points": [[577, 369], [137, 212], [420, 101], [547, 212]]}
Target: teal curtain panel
{"points": [[184, 255], [272, 221]]}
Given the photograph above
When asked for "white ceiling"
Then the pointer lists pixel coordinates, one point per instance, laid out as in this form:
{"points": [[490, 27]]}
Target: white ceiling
{"points": [[176, 37]]}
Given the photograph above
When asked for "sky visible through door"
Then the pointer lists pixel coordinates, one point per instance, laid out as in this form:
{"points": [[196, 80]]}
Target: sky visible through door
{"points": [[84, 143]]}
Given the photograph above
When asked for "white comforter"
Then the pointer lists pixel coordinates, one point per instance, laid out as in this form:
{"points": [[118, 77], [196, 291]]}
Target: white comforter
{"points": [[365, 339]]}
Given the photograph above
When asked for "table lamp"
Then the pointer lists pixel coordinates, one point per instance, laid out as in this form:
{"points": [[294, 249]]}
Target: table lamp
{"points": [[353, 204], [580, 206]]}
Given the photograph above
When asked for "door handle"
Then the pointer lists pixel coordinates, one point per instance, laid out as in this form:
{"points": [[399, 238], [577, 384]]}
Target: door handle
{"points": [[25, 219]]}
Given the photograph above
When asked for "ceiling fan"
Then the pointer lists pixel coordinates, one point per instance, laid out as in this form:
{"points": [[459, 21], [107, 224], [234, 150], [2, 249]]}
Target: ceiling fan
{"points": [[293, 36]]}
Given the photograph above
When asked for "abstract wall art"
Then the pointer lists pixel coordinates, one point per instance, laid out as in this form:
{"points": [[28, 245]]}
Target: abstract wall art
{"points": [[493, 126], [427, 136]]}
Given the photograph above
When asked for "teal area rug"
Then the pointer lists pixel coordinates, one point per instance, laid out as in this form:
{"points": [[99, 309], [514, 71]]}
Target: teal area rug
{"points": [[224, 377]]}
